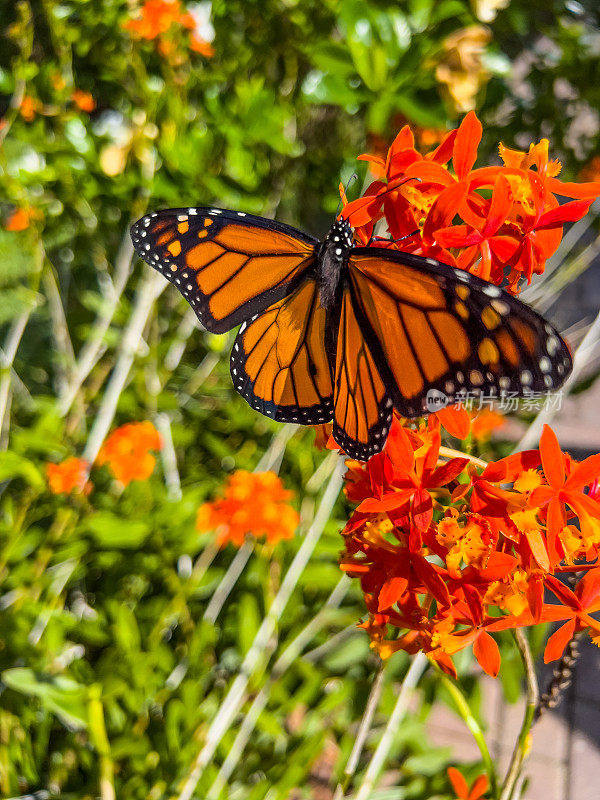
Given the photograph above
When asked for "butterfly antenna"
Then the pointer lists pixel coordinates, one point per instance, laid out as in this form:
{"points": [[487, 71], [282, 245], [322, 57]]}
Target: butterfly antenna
{"points": [[344, 190], [393, 241], [393, 187]]}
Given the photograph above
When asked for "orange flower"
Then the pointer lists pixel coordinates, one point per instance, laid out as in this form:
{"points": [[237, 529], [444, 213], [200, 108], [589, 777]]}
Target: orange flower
{"points": [[68, 476], [18, 220], [253, 503], [156, 18], [83, 100], [500, 222], [447, 553], [29, 108], [565, 491], [461, 787], [127, 451], [199, 45], [485, 422], [591, 171]]}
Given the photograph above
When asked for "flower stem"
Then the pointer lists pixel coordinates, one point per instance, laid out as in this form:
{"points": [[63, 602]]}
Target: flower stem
{"points": [[522, 745], [464, 710], [363, 731], [448, 452]]}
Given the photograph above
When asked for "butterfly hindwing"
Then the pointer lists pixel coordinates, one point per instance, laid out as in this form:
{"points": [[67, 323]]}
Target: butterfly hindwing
{"points": [[228, 265], [440, 328], [362, 408], [279, 364]]}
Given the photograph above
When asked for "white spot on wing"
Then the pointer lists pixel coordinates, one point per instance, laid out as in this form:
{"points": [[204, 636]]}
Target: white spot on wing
{"points": [[491, 290]]}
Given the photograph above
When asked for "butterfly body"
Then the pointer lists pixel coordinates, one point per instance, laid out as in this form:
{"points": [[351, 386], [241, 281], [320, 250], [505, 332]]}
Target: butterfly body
{"points": [[332, 258], [333, 331]]}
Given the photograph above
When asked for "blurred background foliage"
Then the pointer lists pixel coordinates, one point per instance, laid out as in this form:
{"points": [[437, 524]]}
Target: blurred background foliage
{"points": [[110, 674]]}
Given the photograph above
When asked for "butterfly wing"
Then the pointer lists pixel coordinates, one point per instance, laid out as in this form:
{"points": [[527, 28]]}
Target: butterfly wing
{"points": [[443, 329], [362, 408], [279, 363], [228, 265]]}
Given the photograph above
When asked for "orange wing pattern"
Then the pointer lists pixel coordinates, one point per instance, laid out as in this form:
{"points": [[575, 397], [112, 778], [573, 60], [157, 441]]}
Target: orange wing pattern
{"points": [[438, 328], [228, 265], [362, 408], [279, 364]]}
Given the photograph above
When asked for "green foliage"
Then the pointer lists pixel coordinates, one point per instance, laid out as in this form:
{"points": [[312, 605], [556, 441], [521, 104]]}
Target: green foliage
{"points": [[110, 675]]}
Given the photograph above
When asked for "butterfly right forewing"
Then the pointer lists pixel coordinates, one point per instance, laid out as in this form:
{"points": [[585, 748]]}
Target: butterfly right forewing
{"points": [[439, 328]]}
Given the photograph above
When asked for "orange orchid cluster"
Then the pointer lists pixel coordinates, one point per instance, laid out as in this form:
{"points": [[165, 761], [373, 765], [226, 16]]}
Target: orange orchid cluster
{"points": [[160, 18], [448, 552], [499, 222], [254, 503], [127, 452]]}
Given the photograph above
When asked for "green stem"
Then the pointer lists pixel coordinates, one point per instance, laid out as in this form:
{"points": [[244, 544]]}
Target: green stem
{"points": [[464, 710], [522, 745], [99, 739]]}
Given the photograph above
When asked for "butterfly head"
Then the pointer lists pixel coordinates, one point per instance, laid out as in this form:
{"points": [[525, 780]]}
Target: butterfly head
{"points": [[340, 234]]}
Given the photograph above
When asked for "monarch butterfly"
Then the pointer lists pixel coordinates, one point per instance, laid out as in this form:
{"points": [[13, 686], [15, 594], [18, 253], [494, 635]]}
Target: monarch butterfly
{"points": [[333, 331]]}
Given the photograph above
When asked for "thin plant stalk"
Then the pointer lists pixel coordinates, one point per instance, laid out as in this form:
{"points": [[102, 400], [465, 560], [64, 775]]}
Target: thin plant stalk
{"points": [[60, 329], [418, 666], [362, 733], [186, 328], [331, 644], [168, 457], [286, 659], [464, 710], [234, 699], [522, 745], [15, 334], [223, 590], [94, 346], [148, 292]]}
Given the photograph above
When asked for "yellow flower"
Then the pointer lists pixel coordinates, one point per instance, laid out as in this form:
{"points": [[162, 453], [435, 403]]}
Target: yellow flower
{"points": [[461, 69]]}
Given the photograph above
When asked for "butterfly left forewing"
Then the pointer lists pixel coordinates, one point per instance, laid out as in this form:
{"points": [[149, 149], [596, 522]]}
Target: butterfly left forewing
{"points": [[441, 328], [228, 265], [362, 408]]}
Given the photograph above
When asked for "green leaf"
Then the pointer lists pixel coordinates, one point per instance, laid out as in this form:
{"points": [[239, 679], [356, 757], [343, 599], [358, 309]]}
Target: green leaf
{"points": [[15, 466], [20, 256], [16, 301], [354, 651], [109, 530], [57, 694], [332, 58], [248, 621], [423, 114]]}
